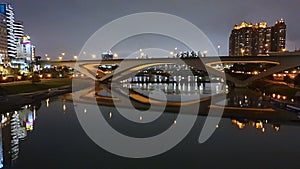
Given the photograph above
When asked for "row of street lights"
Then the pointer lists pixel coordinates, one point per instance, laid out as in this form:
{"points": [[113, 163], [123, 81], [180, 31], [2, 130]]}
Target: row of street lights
{"points": [[60, 58], [115, 55]]}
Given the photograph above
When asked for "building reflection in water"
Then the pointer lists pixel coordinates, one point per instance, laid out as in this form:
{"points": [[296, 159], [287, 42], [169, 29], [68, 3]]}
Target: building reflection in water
{"points": [[14, 128], [258, 124]]}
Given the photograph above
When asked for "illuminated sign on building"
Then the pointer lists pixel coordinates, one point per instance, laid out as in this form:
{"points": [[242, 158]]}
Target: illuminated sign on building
{"points": [[3, 9], [26, 40]]}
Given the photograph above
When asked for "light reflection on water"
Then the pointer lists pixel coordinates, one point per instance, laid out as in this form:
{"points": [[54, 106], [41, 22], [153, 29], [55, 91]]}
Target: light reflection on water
{"points": [[15, 126], [63, 144]]}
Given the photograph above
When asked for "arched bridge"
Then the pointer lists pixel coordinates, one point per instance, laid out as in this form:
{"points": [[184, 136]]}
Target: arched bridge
{"points": [[129, 66]]}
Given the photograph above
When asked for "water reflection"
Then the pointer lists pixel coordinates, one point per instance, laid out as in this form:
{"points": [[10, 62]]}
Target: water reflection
{"points": [[14, 128], [258, 124]]}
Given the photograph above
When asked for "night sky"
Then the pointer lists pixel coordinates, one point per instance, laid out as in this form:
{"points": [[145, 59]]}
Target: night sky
{"points": [[57, 26]]}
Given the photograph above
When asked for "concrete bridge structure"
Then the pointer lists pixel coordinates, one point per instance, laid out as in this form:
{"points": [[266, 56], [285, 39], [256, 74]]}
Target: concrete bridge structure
{"points": [[128, 67]]}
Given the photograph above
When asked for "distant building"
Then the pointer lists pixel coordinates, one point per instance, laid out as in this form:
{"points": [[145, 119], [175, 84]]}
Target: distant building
{"points": [[25, 53], [107, 55], [250, 39]]}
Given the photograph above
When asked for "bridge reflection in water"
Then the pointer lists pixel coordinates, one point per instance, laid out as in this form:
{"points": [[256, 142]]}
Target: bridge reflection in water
{"points": [[242, 104], [247, 110]]}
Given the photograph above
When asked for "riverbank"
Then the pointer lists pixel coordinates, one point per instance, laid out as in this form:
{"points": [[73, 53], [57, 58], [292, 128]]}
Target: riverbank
{"points": [[28, 87], [19, 94], [269, 89]]}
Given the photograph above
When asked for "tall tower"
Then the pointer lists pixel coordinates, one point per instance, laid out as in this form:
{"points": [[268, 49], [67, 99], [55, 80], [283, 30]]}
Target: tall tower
{"points": [[4, 60], [250, 39], [18, 31], [7, 10], [278, 36]]}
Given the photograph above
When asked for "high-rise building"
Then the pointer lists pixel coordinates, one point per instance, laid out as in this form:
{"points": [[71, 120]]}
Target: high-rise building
{"points": [[3, 43], [20, 51], [7, 10], [249, 39], [18, 31], [278, 36]]}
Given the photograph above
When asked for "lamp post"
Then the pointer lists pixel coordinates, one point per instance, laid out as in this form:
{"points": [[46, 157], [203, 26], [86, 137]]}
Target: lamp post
{"points": [[75, 57], [219, 50], [115, 56], [171, 54], [46, 56], [175, 51]]}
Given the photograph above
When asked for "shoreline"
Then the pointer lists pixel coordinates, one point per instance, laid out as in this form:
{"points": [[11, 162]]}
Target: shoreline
{"points": [[17, 101]]}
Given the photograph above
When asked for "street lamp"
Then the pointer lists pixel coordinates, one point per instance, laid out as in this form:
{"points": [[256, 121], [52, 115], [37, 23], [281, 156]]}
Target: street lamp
{"points": [[175, 52], [219, 49], [171, 54], [46, 56], [60, 58], [75, 57], [63, 54], [115, 56], [93, 56]]}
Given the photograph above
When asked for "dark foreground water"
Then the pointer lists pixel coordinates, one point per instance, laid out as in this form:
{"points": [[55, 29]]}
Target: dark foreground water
{"points": [[55, 139]]}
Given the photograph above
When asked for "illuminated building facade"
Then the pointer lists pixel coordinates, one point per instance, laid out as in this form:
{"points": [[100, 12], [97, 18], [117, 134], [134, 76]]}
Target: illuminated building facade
{"points": [[25, 53], [3, 44], [18, 30], [19, 50], [7, 10], [249, 39]]}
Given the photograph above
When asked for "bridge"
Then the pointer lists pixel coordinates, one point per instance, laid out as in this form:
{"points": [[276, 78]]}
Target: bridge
{"points": [[129, 66]]}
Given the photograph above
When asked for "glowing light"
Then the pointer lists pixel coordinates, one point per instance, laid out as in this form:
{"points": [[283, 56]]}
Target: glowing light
{"points": [[115, 55], [110, 114], [276, 128], [47, 102], [64, 107], [259, 125]]}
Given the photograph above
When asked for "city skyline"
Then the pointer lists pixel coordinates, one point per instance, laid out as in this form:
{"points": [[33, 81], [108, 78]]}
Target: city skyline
{"points": [[82, 19]]}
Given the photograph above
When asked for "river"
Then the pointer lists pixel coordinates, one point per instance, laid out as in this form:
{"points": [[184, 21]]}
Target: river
{"points": [[48, 134]]}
